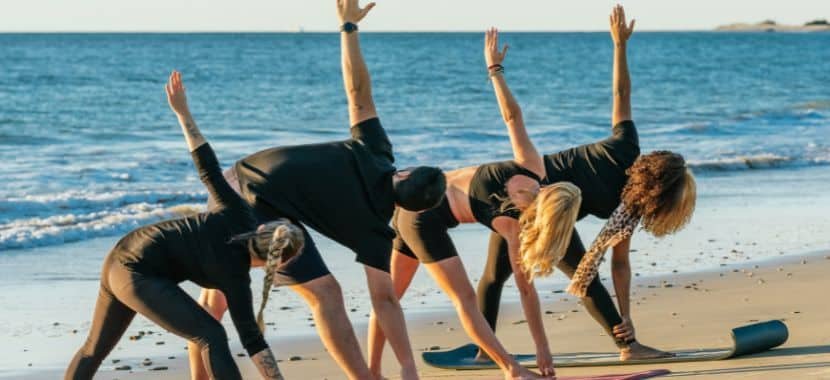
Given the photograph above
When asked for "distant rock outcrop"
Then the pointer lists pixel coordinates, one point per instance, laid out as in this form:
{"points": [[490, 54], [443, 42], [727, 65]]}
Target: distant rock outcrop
{"points": [[772, 26]]}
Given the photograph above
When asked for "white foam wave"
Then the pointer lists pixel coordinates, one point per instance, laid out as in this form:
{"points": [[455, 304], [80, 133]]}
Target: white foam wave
{"points": [[35, 221]]}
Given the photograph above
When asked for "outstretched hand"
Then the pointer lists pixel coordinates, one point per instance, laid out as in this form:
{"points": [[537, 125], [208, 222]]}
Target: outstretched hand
{"points": [[492, 54], [350, 11], [176, 96], [620, 30]]}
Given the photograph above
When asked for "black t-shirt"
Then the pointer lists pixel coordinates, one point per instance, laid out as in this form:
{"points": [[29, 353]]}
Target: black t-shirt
{"points": [[598, 169], [197, 248], [488, 191], [341, 189]]}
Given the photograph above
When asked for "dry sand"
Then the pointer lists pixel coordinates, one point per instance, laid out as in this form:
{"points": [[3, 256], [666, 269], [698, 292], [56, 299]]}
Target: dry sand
{"points": [[696, 311]]}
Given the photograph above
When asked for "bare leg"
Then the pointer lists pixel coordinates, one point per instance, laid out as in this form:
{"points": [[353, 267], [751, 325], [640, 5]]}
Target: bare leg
{"points": [[452, 278], [325, 298], [403, 270], [214, 302]]}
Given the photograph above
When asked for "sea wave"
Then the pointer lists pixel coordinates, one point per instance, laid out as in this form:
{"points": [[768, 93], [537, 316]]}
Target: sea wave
{"points": [[35, 221], [758, 161]]}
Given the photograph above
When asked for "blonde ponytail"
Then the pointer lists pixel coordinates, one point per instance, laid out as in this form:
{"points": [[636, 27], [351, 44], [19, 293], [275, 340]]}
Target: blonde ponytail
{"points": [[547, 226], [285, 240]]}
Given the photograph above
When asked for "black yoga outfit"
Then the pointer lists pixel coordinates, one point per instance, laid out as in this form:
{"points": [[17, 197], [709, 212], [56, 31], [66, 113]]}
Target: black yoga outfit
{"points": [[598, 170], [424, 235], [142, 272], [341, 189]]}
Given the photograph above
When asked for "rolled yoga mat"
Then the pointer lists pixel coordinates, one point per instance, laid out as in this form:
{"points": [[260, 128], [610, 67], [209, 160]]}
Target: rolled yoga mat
{"points": [[746, 340]]}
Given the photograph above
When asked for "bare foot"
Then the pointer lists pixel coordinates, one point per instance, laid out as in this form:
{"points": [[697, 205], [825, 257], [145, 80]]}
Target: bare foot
{"points": [[482, 357], [637, 351]]}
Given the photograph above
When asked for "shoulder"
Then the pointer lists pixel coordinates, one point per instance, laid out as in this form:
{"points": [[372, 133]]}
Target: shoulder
{"points": [[626, 131]]}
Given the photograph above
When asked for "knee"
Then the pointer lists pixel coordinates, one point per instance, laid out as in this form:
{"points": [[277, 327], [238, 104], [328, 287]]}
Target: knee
{"points": [[212, 337], [323, 292], [464, 297]]}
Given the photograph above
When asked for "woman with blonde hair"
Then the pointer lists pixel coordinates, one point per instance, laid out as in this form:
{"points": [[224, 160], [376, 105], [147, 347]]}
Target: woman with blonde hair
{"points": [[617, 184], [214, 249], [506, 197]]}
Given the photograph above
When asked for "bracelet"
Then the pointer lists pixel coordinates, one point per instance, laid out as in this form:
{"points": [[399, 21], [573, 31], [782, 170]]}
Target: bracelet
{"points": [[496, 67], [496, 70]]}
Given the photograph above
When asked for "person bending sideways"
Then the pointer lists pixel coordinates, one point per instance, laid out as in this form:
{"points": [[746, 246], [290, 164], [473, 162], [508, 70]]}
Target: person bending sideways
{"points": [[214, 249], [506, 197], [656, 189], [347, 191]]}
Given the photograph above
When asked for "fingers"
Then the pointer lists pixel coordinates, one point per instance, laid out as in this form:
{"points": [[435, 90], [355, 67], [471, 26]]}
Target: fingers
{"points": [[504, 51], [631, 28], [365, 11]]}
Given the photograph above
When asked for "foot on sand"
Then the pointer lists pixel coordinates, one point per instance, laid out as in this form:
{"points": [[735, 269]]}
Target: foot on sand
{"points": [[482, 357], [637, 351]]}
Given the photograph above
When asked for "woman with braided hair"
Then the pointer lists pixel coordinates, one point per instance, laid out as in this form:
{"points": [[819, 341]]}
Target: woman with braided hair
{"points": [[214, 249]]}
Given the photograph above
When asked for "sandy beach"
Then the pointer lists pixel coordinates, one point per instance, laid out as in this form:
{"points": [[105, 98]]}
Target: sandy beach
{"points": [[678, 312]]}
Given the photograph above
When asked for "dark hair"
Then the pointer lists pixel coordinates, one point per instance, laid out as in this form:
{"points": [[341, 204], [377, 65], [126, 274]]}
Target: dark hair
{"points": [[661, 189], [422, 190]]}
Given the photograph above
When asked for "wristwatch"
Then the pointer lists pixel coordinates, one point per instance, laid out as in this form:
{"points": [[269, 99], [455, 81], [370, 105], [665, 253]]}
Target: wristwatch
{"points": [[349, 27]]}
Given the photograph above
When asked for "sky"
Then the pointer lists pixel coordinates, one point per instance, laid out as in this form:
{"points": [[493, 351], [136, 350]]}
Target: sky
{"points": [[392, 15]]}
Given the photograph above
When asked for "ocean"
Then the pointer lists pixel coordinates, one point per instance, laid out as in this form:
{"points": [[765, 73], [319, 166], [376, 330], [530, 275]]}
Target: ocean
{"points": [[89, 148]]}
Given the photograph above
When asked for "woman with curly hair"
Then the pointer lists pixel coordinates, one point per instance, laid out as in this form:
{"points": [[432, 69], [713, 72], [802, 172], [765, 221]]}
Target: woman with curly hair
{"points": [[657, 190]]}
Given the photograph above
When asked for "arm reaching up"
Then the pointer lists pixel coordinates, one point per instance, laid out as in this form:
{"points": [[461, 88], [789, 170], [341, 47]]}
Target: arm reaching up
{"points": [[177, 98], [524, 152], [355, 74], [203, 156], [620, 33]]}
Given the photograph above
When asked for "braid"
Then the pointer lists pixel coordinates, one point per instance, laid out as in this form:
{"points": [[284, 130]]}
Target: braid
{"points": [[286, 241]]}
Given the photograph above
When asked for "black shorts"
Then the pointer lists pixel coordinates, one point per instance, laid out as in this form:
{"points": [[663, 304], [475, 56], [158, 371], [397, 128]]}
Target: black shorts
{"points": [[425, 235], [306, 266]]}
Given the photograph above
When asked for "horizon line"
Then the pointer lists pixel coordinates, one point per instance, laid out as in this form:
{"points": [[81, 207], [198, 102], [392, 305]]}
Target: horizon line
{"points": [[315, 31]]}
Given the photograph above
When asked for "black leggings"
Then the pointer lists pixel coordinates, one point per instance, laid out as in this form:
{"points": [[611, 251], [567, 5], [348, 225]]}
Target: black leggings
{"points": [[123, 293], [598, 302]]}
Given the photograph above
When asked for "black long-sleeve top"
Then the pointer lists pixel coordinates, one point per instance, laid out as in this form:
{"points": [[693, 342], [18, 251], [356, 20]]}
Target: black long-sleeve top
{"points": [[197, 248]]}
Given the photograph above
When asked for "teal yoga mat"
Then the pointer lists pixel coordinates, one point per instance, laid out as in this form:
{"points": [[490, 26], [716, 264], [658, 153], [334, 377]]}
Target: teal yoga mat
{"points": [[746, 340]]}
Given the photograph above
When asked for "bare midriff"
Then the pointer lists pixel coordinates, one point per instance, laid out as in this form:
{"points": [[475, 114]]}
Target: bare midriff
{"points": [[458, 193]]}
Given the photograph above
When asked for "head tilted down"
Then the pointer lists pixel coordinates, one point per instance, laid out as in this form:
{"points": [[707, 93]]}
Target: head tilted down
{"points": [[420, 188], [274, 243], [662, 190], [546, 227]]}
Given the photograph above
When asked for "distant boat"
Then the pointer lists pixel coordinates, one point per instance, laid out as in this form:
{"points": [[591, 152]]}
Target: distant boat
{"points": [[301, 29]]}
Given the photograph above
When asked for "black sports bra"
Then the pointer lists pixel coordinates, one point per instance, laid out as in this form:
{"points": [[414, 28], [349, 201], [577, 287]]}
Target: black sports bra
{"points": [[488, 190]]}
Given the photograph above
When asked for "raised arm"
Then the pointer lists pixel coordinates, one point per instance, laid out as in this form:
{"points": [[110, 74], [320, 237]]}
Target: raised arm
{"points": [[620, 32], [203, 156], [355, 74], [524, 152], [177, 97]]}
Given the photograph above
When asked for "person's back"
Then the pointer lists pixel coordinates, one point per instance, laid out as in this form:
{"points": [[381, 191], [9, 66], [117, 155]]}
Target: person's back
{"points": [[598, 169], [344, 190], [188, 248]]}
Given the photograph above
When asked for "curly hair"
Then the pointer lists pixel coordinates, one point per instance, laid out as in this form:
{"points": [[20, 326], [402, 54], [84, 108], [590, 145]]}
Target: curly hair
{"points": [[662, 190]]}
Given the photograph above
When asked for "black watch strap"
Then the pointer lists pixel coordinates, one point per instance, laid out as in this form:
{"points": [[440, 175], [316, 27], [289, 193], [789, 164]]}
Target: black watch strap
{"points": [[349, 27]]}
